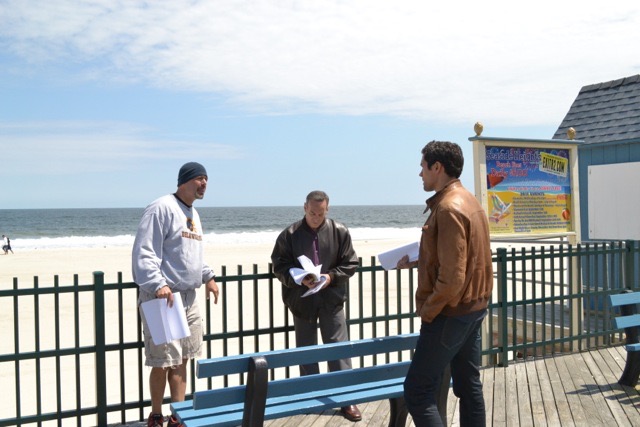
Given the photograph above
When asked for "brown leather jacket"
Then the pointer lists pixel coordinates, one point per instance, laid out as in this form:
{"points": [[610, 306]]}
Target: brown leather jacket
{"points": [[455, 272]]}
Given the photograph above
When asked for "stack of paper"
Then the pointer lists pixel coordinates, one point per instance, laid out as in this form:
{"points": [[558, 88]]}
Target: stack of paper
{"points": [[166, 323], [389, 260], [298, 274]]}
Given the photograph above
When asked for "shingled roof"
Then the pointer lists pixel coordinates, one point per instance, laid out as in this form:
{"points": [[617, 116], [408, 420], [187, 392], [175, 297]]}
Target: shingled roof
{"points": [[605, 112]]}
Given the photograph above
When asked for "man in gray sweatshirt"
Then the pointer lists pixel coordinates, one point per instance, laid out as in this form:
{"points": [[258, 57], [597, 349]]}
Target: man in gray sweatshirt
{"points": [[168, 257]]}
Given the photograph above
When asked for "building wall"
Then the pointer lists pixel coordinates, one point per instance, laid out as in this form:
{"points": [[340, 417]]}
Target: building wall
{"points": [[601, 154]]}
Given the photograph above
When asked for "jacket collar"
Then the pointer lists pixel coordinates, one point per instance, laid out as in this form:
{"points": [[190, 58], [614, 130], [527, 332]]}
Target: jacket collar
{"points": [[311, 230], [433, 201]]}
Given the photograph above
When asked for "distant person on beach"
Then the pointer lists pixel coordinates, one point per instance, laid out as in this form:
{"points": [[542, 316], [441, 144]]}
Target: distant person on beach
{"points": [[168, 257], [455, 280], [6, 244], [328, 243]]}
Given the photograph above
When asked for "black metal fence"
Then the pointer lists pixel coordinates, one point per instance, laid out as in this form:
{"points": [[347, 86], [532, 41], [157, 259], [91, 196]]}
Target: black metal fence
{"points": [[72, 354]]}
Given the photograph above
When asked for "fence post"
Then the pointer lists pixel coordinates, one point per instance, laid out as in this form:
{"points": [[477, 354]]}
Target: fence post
{"points": [[503, 355], [630, 246], [101, 362]]}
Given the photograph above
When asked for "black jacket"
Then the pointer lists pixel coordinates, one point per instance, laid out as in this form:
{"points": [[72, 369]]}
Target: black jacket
{"points": [[336, 255]]}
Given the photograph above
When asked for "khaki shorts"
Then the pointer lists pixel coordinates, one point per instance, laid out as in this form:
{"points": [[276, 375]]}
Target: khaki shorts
{"points": [[175, 352]]}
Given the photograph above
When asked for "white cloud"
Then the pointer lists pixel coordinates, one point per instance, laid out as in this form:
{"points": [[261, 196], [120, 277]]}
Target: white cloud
{"points": [[497, 61], [62, 148]]}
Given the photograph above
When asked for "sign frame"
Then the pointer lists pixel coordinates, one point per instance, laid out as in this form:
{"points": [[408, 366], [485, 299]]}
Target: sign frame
{"points": [[550, 164]]}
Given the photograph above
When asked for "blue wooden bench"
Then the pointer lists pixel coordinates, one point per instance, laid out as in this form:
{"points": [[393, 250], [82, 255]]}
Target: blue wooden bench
{"points": [[629, 320], [262, 399]]}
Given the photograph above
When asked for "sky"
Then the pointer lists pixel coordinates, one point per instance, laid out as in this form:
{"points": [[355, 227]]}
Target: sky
{"points": [[102, 101]]}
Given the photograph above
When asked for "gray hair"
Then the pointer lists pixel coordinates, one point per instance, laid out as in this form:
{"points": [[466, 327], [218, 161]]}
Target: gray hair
{"points": [[318, 196]]}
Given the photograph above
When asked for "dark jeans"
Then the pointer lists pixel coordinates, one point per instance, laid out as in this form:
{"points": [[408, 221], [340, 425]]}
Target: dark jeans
{"points": [[446, 340]]}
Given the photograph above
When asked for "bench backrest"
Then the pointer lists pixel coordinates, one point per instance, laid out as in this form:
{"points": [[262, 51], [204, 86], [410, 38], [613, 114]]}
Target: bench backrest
{"points": [[629, 318], [207, 368], [626, 298]]}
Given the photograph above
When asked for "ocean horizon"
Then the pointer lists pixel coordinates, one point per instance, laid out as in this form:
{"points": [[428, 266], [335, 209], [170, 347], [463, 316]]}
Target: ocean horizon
{"points": [[31, 229]]}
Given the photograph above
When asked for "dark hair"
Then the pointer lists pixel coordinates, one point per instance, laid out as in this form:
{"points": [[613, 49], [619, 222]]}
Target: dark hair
{"points": [[449, 154], [317, 196]]}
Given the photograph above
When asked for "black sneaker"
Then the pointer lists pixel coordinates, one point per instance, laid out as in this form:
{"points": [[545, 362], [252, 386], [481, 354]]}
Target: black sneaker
{"points": [[155, 420]]}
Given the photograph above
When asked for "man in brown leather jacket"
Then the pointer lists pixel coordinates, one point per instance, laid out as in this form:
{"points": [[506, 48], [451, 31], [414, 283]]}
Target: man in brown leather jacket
{"points": [[327, 242], [455, 280]]}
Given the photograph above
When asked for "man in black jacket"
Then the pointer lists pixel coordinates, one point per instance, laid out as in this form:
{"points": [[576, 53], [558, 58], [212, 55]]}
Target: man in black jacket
{"points": [[328, 243]]}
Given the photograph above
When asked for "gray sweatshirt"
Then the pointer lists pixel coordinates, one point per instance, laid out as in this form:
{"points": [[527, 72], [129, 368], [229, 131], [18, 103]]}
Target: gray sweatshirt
{"points": [[168, 248]]}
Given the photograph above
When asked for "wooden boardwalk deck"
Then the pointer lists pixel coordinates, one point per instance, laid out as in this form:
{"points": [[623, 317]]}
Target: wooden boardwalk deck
{"points": [[577, 389]]}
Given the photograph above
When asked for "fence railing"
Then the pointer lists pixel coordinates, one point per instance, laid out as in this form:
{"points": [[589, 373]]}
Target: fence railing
{"points": [[72, 354]]}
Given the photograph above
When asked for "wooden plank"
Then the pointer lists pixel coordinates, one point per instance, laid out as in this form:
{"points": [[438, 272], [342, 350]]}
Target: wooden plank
{"points": [[499, 398], [512, 412], [604, 361], [619, 355], [535, 394], [546, 391], [560, 399], [452, 407], [487, 391], [381, 414], [600, 410], [605, 388], [575, 400], [522, 397], [595, 364]]}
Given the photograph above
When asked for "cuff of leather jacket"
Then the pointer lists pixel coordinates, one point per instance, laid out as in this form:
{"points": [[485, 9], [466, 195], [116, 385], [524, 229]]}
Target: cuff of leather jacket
{"points": [[332, 277]]}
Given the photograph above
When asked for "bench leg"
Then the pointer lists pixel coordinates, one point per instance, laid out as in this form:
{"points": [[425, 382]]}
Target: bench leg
{"points": [[256, 393], [631, 369], [632, 365]]}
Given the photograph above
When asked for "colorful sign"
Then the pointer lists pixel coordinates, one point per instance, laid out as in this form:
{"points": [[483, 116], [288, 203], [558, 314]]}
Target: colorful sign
{"points": [[528, 190]]}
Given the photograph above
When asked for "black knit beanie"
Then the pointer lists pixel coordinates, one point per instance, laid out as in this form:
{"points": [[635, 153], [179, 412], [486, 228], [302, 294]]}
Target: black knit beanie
{"points": [[190, 170]]}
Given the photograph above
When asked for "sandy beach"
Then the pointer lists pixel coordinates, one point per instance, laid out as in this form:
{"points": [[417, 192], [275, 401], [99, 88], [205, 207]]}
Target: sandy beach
{"points": [[46, 263]]}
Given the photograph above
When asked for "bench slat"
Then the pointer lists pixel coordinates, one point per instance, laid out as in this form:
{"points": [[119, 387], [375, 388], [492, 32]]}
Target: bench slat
{"points": [[632, 347], [298, 404], [390, 389], [211, 418], [311, 354], [624, 299], [318, 384], [333, 382], [630, 321], [219, 415]]}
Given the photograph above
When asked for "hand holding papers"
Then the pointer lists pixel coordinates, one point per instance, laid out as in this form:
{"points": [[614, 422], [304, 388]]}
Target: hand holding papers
{"points": [[298, 274], [166, 323], [389, 260]]}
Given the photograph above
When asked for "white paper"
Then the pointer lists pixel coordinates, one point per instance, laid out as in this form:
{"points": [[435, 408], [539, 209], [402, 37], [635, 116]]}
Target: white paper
{"points": [[389, 259], [298, 274], [316, 288], [166, 323], [307, 268]]}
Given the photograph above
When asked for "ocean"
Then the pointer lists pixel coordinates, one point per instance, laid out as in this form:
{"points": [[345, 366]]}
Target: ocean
{"points": [[78, 228]]}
